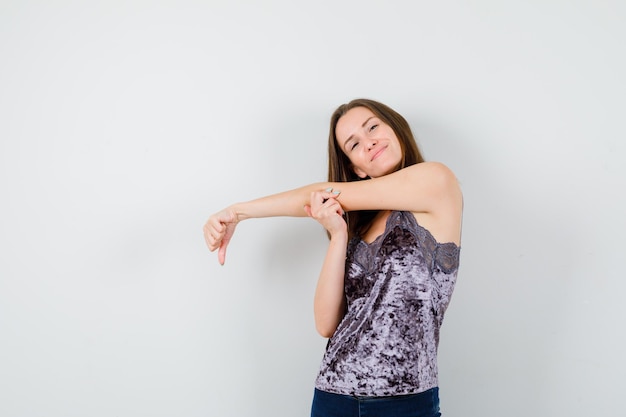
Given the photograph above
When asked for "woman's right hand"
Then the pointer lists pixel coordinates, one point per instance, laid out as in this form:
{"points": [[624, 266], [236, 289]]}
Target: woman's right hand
{"points": [[218, 230], [325, 208]]}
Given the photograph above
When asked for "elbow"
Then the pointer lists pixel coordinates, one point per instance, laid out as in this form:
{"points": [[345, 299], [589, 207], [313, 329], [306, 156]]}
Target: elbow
{"points": [[328, 317], [325, 331]]}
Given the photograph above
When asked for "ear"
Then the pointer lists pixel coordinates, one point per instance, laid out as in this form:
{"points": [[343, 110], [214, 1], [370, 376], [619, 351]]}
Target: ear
{"points": [[359, 172]]}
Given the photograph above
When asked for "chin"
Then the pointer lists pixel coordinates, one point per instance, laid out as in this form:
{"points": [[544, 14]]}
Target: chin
{"points": [[395, 168]]}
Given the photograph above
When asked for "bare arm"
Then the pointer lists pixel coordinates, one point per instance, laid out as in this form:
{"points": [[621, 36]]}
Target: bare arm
{"points": [[329, 303], [427, 187], [420, 188]]}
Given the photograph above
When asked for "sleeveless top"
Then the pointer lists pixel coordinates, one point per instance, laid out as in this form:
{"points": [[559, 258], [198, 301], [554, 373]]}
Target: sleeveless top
{"points": [[397, 290]]}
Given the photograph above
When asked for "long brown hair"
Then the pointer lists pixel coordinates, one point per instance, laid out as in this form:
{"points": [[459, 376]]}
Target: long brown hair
{"points": [[340, 168]]}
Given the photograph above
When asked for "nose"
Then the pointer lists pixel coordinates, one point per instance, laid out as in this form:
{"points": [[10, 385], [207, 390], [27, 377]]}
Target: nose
{"points": [[371, 144]]}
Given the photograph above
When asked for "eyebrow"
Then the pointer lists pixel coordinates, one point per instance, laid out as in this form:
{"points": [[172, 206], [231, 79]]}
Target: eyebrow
{"points": [[352, 135]]}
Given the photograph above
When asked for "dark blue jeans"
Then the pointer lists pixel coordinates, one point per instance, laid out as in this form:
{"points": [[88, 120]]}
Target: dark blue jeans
{"points": [[424, 404]]}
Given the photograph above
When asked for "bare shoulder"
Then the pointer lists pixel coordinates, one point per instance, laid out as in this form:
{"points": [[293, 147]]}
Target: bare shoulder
{"points": [[433, 178], [435, 171]]}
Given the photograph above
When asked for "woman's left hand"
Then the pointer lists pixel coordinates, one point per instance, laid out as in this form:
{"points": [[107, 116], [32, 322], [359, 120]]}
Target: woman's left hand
{"points": [[327, 211]]}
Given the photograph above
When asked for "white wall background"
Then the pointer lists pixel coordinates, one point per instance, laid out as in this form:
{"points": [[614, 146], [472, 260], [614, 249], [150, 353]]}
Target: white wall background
{"points": [[124, 124]]}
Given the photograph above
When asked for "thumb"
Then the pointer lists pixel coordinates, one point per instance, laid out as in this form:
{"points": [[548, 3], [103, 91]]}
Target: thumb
{"points": [[221, 253]]}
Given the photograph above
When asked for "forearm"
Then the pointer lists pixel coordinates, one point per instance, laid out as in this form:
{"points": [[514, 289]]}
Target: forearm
{"points": [[288, 203], [329, 302], [219, 228]]}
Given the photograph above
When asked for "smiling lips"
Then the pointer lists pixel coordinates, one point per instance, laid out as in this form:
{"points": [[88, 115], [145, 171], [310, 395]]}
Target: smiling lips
{"points": [[377, 154]]}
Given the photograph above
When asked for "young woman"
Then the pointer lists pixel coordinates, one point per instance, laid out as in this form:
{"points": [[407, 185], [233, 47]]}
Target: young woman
{"points": [[394, 223]]}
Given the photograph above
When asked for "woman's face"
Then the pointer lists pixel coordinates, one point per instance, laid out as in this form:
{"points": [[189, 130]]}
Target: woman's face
{"points": [[371, 145]]}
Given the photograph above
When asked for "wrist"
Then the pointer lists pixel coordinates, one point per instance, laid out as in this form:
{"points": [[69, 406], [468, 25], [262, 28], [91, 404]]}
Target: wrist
{"points": [[236, 212], [338, 236]]}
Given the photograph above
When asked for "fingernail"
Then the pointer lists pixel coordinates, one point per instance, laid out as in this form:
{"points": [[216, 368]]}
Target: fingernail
{"points": [[329, 189], [337, 192]]}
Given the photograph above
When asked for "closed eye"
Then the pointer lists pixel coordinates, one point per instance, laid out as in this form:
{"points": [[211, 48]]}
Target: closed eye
{"points": [[354, 145], [372, 127]]}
